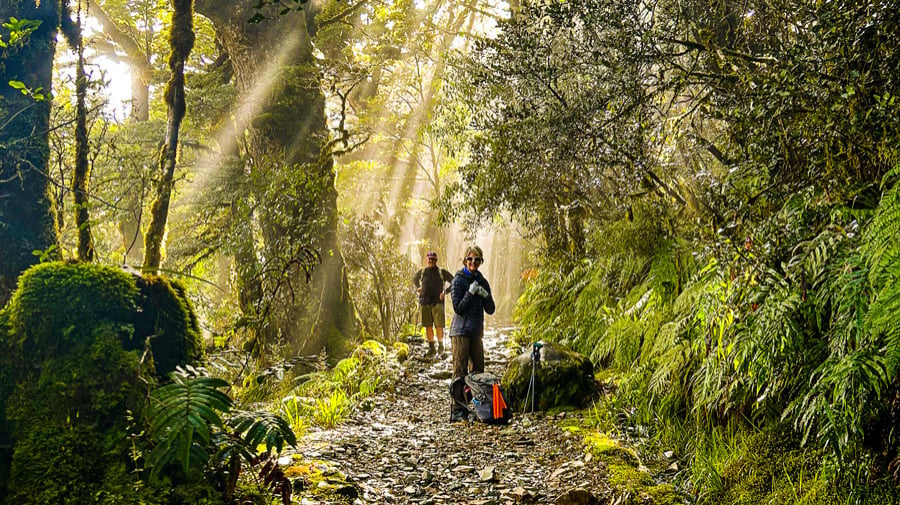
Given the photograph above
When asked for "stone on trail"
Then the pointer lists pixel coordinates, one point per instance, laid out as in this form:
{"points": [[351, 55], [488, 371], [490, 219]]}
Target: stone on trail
{"points": [[562, 377], [577, 497], [520, 494], [488, 474]]}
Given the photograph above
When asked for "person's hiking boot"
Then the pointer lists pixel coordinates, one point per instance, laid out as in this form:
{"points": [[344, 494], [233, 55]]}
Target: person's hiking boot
{"points": [[441, 347], [430, 351]]}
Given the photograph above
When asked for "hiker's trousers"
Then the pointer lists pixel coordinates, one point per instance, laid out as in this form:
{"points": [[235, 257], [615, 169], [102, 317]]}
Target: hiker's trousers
{"points": [[468, 357], [468, 354]]}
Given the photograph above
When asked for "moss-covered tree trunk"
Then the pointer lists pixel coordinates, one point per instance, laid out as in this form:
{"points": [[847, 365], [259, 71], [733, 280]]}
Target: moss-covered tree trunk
{"points": [[81, 177], [27, 213], [293, 179], [181, 41]]}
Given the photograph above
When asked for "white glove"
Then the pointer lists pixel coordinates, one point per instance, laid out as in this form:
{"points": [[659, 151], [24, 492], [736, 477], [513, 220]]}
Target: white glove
{"points": [[474, 287], [482, 292]]}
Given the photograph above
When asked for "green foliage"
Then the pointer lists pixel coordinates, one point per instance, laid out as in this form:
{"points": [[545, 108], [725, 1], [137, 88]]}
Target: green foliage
{"points": [[36, 93], [380, 278], [560, 126], [182, 416], [19, 30], [196, 436], [796, 328], [292, 410], [330, 411], [327, 396]]}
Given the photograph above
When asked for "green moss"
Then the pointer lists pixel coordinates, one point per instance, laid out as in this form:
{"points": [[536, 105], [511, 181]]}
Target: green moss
{"points": [[71, 417], [552, 411], [402, 350], [610, 451], [772, 468], [72, 380], [663, 494], [166, 317], [6, 385], [625, 479], [626, 476], [318, 480], [60, 304]]}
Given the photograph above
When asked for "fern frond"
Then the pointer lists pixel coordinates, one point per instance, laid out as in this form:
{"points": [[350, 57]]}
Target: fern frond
{"points": [[882, 235], [257, 428], [182, 415]]}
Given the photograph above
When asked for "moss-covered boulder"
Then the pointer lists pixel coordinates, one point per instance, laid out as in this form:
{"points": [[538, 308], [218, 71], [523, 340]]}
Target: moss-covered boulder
{"points": [[74, 375], [167, 319], [562, 377]]}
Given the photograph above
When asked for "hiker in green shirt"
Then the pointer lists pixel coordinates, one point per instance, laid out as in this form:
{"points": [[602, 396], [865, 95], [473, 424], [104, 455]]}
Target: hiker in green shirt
{"points": [[429, 283]]}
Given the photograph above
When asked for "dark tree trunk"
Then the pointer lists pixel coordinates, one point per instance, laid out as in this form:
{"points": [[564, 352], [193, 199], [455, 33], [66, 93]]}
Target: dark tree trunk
{"points": [[181, 41], [27, 211], [286, 140]]}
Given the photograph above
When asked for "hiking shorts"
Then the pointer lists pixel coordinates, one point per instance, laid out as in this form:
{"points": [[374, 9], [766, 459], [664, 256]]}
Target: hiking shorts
{"points": [[432, 315]]}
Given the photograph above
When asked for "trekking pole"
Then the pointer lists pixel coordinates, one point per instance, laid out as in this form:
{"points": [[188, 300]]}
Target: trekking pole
{"points": [[535, 359]]}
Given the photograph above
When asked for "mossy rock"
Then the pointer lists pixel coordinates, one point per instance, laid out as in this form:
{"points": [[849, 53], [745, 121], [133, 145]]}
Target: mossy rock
{"points": [[562, 377], [610, 451], [70, 425], [58, 305], [74, 375], [166, 317], [402, 351]]}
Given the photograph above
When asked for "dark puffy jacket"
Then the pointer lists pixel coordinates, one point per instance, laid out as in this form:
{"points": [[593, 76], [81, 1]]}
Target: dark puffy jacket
{"points": [[469, 309]]}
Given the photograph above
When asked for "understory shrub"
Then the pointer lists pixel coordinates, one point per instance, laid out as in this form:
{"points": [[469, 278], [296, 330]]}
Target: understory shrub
{"points": [[796, 325]]}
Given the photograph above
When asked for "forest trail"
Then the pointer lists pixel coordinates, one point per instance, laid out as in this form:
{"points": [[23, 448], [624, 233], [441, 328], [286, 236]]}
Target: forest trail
{"points": [[404, 450]]}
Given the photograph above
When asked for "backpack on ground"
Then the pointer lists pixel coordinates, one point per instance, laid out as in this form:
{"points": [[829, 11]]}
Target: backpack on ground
{"points": [[488, 403]]}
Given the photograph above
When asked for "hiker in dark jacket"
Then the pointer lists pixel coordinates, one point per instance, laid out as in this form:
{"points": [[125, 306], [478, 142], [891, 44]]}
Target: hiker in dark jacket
{"points": [[429, 283], [471, 295]]}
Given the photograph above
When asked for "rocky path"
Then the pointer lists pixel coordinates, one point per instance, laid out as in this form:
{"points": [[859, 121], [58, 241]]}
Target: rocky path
{"points": [[404, 450]]}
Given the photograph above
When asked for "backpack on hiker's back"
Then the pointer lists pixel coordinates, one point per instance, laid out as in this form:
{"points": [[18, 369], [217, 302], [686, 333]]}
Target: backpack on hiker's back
{"points": [[488, 403]]}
